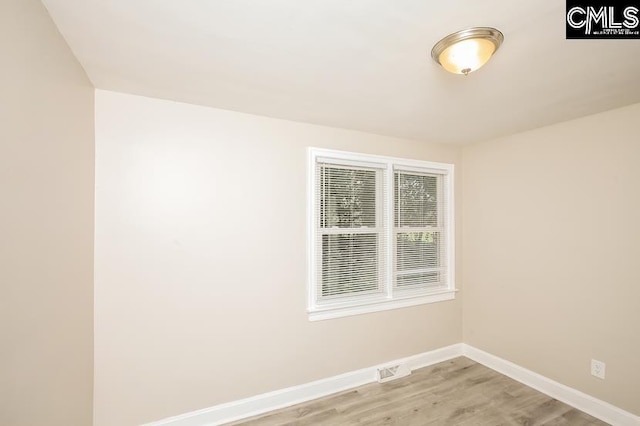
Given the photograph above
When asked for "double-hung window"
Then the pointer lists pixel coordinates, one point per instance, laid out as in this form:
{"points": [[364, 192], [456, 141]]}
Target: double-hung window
{"points": [[380, 233]]}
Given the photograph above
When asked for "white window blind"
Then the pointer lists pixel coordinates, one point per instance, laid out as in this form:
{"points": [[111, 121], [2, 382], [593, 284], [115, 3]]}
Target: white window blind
{"points": [[380, 233], [420, 228], [350, 231]]}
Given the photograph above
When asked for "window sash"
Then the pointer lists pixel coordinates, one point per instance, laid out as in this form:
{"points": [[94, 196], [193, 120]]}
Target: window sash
{"points": [[420, 266], [350, 265], [415, 189]]}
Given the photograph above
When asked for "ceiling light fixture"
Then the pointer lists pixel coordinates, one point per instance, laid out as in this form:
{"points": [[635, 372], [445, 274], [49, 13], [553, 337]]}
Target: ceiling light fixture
{"points": [[467, 50]]}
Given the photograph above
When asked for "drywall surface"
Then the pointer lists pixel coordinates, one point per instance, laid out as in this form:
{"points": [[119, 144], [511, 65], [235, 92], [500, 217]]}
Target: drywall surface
{"points": [[201, 261], [46, 224], [551, 232]]}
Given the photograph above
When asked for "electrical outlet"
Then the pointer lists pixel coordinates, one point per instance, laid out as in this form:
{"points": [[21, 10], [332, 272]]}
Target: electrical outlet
{"points": [[598, 368]]}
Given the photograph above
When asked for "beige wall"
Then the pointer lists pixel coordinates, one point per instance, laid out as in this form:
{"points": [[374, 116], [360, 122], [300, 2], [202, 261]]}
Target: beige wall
{"points": [[201, 264], [46, 224], [551, 248]]}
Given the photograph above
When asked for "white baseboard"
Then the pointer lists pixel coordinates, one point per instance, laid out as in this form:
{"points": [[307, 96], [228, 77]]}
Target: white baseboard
{"points": [[259, 404], [583, 402]]}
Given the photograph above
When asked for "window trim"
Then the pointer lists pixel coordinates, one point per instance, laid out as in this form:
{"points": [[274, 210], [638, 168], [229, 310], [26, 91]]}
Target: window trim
{"points": [[387, 299]]}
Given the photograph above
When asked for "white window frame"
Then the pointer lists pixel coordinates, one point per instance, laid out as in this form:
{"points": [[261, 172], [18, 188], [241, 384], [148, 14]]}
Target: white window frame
{"points": [[390, 297]]}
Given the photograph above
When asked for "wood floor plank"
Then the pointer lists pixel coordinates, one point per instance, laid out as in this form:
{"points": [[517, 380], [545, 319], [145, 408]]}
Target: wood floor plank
{"points": [[459, 392]]}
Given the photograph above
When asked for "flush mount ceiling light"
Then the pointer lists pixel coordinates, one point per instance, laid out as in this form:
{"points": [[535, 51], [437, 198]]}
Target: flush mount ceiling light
{"points": [[467, 50]]}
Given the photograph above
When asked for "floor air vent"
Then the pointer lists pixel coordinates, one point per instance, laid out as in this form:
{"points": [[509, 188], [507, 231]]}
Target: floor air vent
{"points": [[392, 372]]}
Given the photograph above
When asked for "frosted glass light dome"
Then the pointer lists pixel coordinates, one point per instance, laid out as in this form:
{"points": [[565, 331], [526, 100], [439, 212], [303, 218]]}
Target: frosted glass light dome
{"points": [[467, 50]]}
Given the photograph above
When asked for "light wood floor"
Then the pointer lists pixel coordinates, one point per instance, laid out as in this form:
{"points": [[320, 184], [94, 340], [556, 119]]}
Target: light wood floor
{"points": [[458, 392]]}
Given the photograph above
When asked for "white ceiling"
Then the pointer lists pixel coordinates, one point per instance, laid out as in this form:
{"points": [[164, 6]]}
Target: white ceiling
{"points": [[357, 64]]}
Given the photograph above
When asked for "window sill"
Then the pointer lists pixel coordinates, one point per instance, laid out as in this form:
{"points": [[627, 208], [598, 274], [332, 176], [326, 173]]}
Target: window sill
{"points": [[328, 312]]}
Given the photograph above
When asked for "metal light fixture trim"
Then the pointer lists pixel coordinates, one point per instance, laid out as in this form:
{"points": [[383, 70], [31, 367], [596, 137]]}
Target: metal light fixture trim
{"points": [[489, 38]]}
